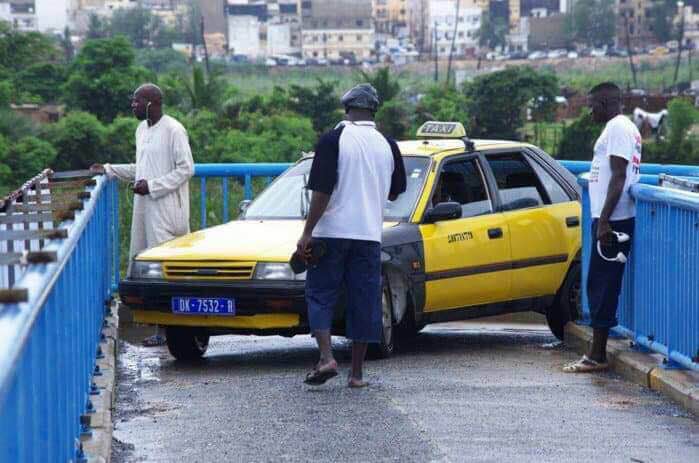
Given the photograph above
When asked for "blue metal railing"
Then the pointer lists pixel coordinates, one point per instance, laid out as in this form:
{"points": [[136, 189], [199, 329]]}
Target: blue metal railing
{"points": [[246, 172], [48, 344], [659, 305], [580, 167]]}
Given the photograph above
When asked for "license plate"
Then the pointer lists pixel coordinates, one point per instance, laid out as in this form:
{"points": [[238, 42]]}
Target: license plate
{"points": [[203, 306]]}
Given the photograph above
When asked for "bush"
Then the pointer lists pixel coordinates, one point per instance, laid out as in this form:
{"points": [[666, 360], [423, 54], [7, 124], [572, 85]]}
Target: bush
{"points": [[23, 160], [393, 120], [79, 139], [442, 104], [578, 139], [120, 141]]}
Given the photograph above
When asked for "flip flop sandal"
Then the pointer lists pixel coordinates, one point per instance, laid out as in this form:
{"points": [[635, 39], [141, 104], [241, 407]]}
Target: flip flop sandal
{"points": [[318, 377], [585, 365], [154, 341]]}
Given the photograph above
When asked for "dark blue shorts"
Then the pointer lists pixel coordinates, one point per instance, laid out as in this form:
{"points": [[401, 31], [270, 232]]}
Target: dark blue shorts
{"points": [[355, 266], [605, 278]]}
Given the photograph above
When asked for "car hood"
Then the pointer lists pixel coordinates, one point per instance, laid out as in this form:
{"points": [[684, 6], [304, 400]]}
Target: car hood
{"points": [[240, 240]]}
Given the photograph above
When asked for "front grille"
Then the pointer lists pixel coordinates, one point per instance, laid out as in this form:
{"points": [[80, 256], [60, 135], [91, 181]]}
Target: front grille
{"points": [[209, 270]]}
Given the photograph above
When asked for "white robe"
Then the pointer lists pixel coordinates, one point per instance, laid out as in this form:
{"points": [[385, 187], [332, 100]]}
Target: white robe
{"points": [[164, 159]]}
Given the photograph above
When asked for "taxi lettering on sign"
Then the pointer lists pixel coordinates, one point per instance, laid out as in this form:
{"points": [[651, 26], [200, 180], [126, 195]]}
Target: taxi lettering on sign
{"points": [[442, 130]]}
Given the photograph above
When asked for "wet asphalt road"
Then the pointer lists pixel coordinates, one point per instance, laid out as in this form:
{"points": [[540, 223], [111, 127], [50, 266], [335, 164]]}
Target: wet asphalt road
{"points": [[462, 392]]}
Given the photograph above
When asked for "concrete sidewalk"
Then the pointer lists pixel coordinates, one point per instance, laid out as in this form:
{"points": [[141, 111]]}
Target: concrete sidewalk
{"points": [[645, 369]]}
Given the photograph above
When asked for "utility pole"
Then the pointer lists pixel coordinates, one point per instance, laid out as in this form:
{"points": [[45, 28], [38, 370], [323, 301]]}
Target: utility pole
{"points": [[206, 50], [453, 40], [680, 7], [436, 53], [628, 47]]}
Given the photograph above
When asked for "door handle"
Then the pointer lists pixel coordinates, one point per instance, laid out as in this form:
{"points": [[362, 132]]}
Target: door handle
{"points": [[495, 233], [573, 222]]}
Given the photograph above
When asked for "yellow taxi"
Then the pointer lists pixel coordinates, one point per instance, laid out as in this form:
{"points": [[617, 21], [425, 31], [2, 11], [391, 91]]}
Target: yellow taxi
{"points": [[485, 228]]}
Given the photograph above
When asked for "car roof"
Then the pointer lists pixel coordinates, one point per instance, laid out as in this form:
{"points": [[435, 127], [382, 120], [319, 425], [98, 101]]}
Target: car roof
{"points": [[444, 146]]}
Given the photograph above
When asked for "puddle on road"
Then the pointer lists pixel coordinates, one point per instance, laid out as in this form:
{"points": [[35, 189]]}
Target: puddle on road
{"points": [[141, 364]]}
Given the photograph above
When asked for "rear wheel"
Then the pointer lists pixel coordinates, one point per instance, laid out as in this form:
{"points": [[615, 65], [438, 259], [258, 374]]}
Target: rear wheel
{"points": [[568, 303], [385, 348], [186, 343]]}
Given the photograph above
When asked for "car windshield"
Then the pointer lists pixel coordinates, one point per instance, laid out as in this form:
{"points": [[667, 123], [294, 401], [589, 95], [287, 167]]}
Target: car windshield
{"points": [[287, 197]]}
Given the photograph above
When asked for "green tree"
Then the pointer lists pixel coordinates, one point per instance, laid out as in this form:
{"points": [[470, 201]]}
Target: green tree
{"points": [[120, 140], [578, 139], [24, 159], [662, 15], [133, 23], [681, 117], [385, 84], [79, 139], [442, 104], [96, 28], [14, 126], [205, 133], [19, 50], [498, 100], [103, 78], [319, 103], [493, 32], [6, 91], [162, 60], [592, 22], [43, 80], [204, 91], [67, 45], [393, 119]]}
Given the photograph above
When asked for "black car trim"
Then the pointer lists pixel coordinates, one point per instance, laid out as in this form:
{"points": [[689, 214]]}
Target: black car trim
{"points": [[496, 267], [536, 304]]}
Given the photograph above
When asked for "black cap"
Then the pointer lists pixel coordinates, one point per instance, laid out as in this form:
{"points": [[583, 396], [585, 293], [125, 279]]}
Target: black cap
{"points": [[363, 96]]}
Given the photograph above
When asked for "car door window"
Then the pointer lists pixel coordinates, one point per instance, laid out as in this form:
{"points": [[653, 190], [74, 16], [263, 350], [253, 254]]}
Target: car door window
{"points": [[518, 184], [462, 182], [554, 189]]}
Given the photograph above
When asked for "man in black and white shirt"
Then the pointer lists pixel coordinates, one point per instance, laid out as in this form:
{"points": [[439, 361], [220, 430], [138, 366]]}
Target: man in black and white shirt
{"points": [[355, 170]]}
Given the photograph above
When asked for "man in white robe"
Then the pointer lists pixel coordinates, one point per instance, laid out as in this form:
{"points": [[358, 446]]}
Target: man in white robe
{"points": [[161, 176]]}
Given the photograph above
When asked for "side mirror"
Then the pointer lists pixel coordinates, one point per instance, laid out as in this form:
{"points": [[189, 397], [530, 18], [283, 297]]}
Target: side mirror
{"points": [[243, 206], [443, 211]]}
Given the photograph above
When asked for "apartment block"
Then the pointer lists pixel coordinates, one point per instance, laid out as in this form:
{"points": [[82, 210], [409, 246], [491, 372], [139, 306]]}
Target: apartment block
{"points": [[336, 29], [445, 29]]}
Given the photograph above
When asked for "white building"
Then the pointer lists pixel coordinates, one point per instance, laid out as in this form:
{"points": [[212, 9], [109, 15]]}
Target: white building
{"points": [[52, 15], [442, 24], [21, 14], [244, 36]]}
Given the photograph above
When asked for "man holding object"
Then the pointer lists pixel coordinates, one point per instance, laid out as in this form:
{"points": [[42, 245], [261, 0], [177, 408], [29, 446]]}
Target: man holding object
{"points": [[616, 166], [355, 170], [161, 174]]}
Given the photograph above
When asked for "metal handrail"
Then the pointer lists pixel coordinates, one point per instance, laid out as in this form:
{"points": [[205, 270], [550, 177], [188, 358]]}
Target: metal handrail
{"points": [[48, 343]]}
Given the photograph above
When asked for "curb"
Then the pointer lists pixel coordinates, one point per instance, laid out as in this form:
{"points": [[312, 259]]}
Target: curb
{"points": [[645, 369], [98, 445]]}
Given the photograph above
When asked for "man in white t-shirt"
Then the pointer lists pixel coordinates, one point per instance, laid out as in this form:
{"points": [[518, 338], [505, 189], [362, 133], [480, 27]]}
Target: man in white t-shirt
{"points": [[616, 166], [355, 171]]}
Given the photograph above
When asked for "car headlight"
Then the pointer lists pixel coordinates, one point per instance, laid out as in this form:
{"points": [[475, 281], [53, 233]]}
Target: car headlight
{"points": [[277, 271], [147, 270]]}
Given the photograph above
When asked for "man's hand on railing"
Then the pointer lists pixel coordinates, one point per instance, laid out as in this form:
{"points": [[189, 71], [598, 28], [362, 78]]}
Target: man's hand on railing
{"points": [[97, 169]]}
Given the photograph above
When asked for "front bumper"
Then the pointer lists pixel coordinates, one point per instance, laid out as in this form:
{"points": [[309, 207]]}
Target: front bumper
{"points": [[259, 304]]}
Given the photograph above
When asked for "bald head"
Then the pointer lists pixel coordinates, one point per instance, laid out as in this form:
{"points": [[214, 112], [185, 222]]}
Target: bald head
{"points": [[147, 103], [151, 92]]}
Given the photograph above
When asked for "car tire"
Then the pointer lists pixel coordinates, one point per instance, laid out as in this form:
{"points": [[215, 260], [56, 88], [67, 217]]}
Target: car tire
{"points": [[386, 347], [186, 344], [567, 304]]}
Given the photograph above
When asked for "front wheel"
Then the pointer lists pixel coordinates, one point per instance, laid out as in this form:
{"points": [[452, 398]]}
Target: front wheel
{"points": [[185, 343], [568, 303], [385, 348]]}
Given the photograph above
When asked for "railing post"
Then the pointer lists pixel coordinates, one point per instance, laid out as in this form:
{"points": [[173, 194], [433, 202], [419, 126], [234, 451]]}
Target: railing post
{"points": [[248, 186], [224, 192], [203, 203]]}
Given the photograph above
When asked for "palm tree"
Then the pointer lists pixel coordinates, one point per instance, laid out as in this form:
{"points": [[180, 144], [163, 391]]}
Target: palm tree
{"points": [[386, 86]]}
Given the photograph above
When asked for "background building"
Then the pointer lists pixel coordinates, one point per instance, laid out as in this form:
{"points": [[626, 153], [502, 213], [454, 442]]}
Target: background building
{"points": [[330, 35], [21, 14], [442, 27]]}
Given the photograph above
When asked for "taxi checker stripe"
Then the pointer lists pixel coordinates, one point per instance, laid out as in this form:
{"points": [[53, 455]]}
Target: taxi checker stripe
{"points": [[498, 267]]}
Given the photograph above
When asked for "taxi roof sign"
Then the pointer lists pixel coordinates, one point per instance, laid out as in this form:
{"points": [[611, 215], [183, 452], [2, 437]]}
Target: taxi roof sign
{"points": [[434, 129]]}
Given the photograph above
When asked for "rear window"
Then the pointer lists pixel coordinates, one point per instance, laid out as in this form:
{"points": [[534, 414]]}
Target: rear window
{"points": [[518, 184]]}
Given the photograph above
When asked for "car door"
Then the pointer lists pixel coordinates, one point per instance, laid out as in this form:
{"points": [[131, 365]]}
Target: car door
{"points": [[543, 221], [465, 259]]}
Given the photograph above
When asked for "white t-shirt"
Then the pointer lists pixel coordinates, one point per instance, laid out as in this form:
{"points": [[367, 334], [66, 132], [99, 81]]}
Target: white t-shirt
{"points": [[619, 138], [358, 167]]}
